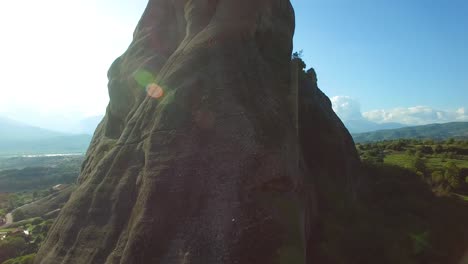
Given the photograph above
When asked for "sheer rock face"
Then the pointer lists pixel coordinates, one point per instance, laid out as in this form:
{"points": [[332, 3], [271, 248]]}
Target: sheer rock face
{"points": [[331, 163], [209, 170]]}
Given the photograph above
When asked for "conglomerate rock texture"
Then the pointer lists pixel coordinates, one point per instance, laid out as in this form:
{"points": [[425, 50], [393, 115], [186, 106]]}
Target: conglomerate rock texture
{"points": [[222, 162]]}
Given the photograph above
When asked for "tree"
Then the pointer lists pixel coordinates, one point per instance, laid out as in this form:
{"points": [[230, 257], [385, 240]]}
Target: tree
{"points": [[426, 149], [393, 146], [428, 142], [452, 174], [438, 149], [437, 177], [37, 221], [419, 164], [11, 247], [410, 152], [297, 54], [373, 156], [18, 215], [28, 259], [297, 57], [12, 201]]}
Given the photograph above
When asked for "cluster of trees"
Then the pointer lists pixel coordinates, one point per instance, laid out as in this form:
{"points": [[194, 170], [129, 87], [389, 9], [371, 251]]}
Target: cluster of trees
{"points": [[446, 179], [18, 215], [31, 178], [15, 178], [28, 259], [13, 246], [18, 248], [15, 200], [433, 161], [452, 147], [21, 186], [449, 178]]}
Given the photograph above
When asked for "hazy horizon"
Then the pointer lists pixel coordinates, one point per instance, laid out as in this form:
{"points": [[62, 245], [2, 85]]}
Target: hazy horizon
{"points": [[378, 61]]}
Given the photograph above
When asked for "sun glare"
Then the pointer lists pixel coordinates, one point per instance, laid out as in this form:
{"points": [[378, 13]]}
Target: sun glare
{"points": [[155, 91]]}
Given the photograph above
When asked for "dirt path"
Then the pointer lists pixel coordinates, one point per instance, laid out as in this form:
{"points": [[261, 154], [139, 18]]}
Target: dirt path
{"points": [[9, 219], [9, 216]]}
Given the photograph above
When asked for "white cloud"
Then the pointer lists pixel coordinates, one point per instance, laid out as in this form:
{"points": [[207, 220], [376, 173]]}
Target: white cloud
{"points": [[417, 115], [346, 107], [462, 112]]}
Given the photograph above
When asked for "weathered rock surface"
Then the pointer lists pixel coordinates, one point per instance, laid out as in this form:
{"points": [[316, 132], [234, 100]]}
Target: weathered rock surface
{"points": [[197, 159]]}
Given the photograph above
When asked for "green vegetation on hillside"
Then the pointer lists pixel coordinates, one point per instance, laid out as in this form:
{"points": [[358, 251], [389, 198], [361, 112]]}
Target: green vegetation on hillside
{"points": [[21, 162], [443, 165], [35, 178], [28, 259], [46, 206], [22, 241], [411, 206], [457, 130], [33, 215], [31, 196]]}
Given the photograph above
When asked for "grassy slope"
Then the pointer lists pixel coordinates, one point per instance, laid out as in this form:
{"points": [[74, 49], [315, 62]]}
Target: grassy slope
{"points": [[58, 170], [404, 160], [47, 204], [397, 217]]}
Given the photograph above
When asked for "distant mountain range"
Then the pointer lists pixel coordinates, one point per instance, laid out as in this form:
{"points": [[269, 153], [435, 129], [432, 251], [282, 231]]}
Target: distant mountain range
{"points": [[457, 130], [21, 139], [362, 125]]}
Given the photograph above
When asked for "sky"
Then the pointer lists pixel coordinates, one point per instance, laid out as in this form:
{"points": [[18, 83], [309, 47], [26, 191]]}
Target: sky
{"points": [[400, 61], [386, 61]]}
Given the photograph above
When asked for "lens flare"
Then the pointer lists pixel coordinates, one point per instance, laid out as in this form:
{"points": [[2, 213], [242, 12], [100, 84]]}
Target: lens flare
{"points": [[155, 91], [143, 77]]}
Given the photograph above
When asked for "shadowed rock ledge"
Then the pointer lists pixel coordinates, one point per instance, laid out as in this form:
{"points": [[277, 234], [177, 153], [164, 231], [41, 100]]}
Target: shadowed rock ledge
{"points": [[205, 154]]}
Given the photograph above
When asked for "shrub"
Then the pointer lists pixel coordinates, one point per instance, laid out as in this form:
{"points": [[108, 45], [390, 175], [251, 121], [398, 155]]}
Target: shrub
{"points": [[18, 215], [28, 259], [452, 175], [11, 247], [419, 165], [426, 150], [438, 149], [437, 177], [37, 221]]}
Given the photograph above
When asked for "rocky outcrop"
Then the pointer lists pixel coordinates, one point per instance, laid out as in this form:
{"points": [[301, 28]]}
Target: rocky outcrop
{"points": [[205, 154]]}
